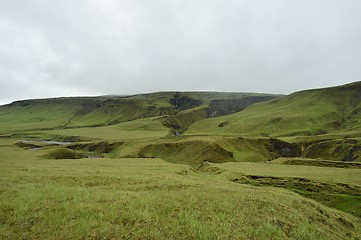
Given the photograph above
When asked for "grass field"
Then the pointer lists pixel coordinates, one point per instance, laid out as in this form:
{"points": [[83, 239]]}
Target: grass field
{"points": [[147, 128], [334, 187], [149, 198]]}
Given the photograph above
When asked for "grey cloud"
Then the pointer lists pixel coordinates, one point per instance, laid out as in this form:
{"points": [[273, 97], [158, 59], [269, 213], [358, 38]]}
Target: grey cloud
{"points": [[90, 47]]}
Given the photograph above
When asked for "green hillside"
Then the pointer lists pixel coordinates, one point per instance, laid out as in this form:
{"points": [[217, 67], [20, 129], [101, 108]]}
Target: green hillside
{"points": [[101, 111], [312, 112]]}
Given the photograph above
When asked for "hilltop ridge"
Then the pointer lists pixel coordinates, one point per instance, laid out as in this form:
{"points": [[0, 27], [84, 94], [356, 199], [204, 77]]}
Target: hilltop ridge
{"points": [[110, 110], [309, 112]]}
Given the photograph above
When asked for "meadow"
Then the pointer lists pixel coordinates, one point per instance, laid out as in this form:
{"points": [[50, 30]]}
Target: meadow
{"points": [[134, 198]]}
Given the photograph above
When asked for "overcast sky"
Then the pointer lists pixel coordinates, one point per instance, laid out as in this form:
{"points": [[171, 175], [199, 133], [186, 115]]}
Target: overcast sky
{"points": [[96, 47]]}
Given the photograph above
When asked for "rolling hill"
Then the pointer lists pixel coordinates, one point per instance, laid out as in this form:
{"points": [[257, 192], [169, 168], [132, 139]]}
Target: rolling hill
{"points": [[311, 112], [179, 110]]}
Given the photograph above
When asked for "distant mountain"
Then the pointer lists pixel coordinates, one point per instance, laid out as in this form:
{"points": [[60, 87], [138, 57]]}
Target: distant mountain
{"points": [[178, 109]]}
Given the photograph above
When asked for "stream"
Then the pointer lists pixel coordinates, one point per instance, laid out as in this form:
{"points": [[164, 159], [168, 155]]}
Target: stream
{"points": [[45, 141]]}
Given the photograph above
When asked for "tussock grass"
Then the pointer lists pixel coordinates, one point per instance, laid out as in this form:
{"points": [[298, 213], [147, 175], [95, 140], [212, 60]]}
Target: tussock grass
{"points": [[64, 153]]}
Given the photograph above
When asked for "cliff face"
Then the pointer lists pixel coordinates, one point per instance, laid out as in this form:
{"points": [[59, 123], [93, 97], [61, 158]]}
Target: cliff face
{"points": [[220, 107]]}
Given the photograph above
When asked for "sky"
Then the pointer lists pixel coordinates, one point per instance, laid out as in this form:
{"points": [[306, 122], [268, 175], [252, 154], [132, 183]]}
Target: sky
{"points": [[99, 47]]}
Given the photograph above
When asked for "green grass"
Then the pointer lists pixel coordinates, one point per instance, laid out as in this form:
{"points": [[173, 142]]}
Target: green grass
{"points": [[310, 112], [148, 198], [19, 118], [182, 120], [108, 110], [145, 129], [318, 162], [333, 187], [194, 150], [192, 153], [326, 174]]}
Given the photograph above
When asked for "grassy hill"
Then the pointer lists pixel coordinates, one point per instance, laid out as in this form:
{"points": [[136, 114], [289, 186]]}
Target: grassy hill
{"points": [[101, 111], [312, 112], [326, 123]]}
